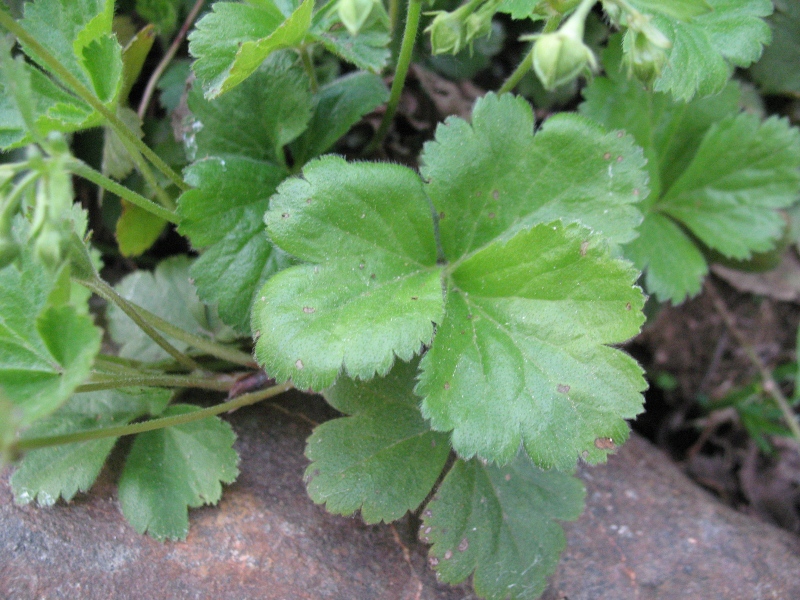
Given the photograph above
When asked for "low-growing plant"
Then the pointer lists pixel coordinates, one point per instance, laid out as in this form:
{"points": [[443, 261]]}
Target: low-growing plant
{"points": [[465, 315]]}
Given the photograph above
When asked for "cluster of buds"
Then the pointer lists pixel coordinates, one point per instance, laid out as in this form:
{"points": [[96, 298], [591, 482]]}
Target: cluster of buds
{"points": [[644, 48], [561, 56], [451, 32], [39, 188]]}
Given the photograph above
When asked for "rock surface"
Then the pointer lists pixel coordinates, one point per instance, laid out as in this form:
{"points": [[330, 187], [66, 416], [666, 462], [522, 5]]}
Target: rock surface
{"points": [[648, 532]]}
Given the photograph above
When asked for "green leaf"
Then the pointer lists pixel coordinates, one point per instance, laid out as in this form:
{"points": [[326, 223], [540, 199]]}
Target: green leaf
{"points": [[339, 106], [371, 290], [168, 293], [500, 523], [384, 459], [137, 229], [62, 471], [778, 71], [162, 13], [706, 48], [683, 10], [224, 215], [495, 177], [79, 35], [46, 346], [712, 171], [133, 56], [171, 469], [234, 39], [521, 355], [117, 161], [369, 50], [256, 120], [523, 9]]}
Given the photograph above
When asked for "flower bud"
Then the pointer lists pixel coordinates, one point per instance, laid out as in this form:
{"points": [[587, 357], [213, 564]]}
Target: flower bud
{"points": [[354, 13], [479, 23], [645, 49], [448, 32], [47, 248], [560, 57]]}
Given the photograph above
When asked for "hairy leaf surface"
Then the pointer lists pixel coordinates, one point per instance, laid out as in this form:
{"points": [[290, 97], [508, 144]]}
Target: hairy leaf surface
{"points": [[500, 523], [777, 70], [383, 459], [370, 288], [232, 40], [47, 474], [171, 469], [224, 215], [369, 50], [521, 357]]}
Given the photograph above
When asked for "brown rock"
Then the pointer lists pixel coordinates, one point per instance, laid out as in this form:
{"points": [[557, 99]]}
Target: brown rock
{"points": [[648, 533]]}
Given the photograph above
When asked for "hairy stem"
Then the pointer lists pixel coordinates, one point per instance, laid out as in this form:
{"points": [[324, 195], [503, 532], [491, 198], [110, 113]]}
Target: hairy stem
{"points": [[102, 289], [152, 424], [101, 381], [144, 169], [87, 96], [403, 63], [167, 58], [768, 382], [526, 64], [83, 170]]}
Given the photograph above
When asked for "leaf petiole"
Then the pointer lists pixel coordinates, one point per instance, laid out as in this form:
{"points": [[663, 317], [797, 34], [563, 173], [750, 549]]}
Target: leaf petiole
{"points": [[102, 381], [152, 424]]}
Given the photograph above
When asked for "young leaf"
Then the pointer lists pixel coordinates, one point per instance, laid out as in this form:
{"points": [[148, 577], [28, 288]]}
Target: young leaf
{"points": [[369, 50], [383, 459], [266, 112], [521, 355], [777, 72], [696, 153], [339, 105], [234, 39], [46, 474], [495, 176], [137, 229], [224, 215], [79, 35], [171, 469], [500, 523], [706, 48], [168, 293], [46, 346], [371, 288]]}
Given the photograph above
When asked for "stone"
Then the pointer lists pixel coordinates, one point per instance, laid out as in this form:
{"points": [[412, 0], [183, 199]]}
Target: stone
{"points": [[648, 532]]}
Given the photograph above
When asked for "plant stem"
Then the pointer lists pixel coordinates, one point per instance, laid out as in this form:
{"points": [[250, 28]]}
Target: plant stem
{"points": [[167, 58], [102, 289], [153, 424], [403, 63], [526, 64], [394, 9], [769, 384], [72, 82], [100, 381], [82, 169], [141, 165], [308, 65]]}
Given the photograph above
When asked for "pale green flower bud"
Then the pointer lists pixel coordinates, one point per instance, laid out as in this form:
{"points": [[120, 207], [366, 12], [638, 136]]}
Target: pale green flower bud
{"points": [[354, 13], [479, 23], [448, 33], [645, 49], [47, 248], [558, 58]]}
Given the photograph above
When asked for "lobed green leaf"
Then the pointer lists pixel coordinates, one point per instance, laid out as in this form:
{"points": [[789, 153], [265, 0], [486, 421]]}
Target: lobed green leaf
{"points": [[170, 469], [500, 523], [776, 72], [383, 459]]}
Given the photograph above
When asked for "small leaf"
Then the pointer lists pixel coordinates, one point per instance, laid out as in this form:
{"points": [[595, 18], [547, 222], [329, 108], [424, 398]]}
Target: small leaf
{"points": [[495, 176], [339, 105], [522, 355], [224, 215], [62, 471], [168, 293], [706, 48], [234, 39], [500, 523], [368, 50], [162, 13], [171, 469], [384, 459], [256, 120], [137, 229], [371, 291], [133, 56], [117, 161], [46, 346]]}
